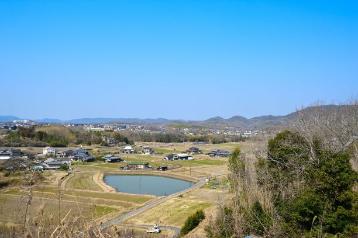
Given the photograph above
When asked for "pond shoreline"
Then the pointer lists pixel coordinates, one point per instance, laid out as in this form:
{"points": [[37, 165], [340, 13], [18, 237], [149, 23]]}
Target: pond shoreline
{"points": [[152, 172], [108, 188]]}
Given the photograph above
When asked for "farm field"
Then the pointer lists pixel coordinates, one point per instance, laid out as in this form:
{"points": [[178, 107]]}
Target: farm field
{"points": [[82, 192]]}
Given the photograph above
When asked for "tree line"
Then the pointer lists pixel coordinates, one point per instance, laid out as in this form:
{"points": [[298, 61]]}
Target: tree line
{"points": [[62, 137]]}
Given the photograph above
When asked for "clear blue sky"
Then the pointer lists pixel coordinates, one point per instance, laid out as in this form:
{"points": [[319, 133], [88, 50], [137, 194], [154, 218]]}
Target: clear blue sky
{"points": [[175, 59]]}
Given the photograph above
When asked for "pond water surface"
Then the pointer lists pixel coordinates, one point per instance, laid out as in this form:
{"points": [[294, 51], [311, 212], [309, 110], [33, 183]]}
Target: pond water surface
{"points": [[146, 184]]}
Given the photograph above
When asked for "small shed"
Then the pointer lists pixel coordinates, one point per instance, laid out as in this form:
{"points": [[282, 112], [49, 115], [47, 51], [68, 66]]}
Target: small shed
{"points": [[138, 165]]}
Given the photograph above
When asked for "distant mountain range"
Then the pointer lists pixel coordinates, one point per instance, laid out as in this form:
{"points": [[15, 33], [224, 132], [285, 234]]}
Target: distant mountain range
{"points": [[98, 120], [101, 120], [215, 122], [8, 118]]}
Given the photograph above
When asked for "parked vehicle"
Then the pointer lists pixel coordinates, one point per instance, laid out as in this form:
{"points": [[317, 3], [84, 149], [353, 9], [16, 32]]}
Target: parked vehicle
{"points": [[154, 229]]}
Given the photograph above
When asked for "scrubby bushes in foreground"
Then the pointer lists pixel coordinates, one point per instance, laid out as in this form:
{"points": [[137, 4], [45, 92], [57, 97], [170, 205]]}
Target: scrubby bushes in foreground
{"points": [[303, 190], [192, 222]]}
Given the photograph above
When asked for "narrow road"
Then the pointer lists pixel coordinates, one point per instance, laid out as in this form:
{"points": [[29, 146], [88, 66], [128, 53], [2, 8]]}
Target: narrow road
{"points": [[153, 203]]}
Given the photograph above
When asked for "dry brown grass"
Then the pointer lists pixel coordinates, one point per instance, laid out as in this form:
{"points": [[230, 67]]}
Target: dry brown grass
{"points": [[83, 181], [173, 212]]}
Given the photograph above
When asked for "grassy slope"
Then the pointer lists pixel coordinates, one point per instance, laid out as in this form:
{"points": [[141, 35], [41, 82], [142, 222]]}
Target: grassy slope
{"points": [[173, 212], [12, 208], [52, 193], [82, 181]]}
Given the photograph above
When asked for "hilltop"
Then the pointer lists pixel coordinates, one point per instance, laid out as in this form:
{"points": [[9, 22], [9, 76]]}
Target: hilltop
{"points": [[260, 122]]}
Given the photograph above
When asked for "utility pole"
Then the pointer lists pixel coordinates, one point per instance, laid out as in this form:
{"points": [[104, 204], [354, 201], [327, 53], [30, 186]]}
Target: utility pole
{"points": [[59, 201]]}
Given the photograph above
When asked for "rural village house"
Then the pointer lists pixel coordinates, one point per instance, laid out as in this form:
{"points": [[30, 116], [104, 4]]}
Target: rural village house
{"points": [[193, 150], [128, 149], [178, 157], [8, 153], [48, 151], [52, 163], [219, 153], [83, 155], [111, 159], [148, 150]]}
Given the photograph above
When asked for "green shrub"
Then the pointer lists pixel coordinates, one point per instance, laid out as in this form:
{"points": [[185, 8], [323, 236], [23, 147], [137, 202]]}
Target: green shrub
{"points": [[311, 195], [192, 222], [302, 211], [259, 219], [64, 167], [4, 183]]}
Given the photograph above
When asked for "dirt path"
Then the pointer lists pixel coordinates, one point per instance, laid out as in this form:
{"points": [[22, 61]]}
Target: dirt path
{"points": [[98, 179], [153, 203], [63, 181]]}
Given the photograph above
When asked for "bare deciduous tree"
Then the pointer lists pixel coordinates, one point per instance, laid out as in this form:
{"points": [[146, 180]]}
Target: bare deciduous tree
{"points": [[336, 125]]}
